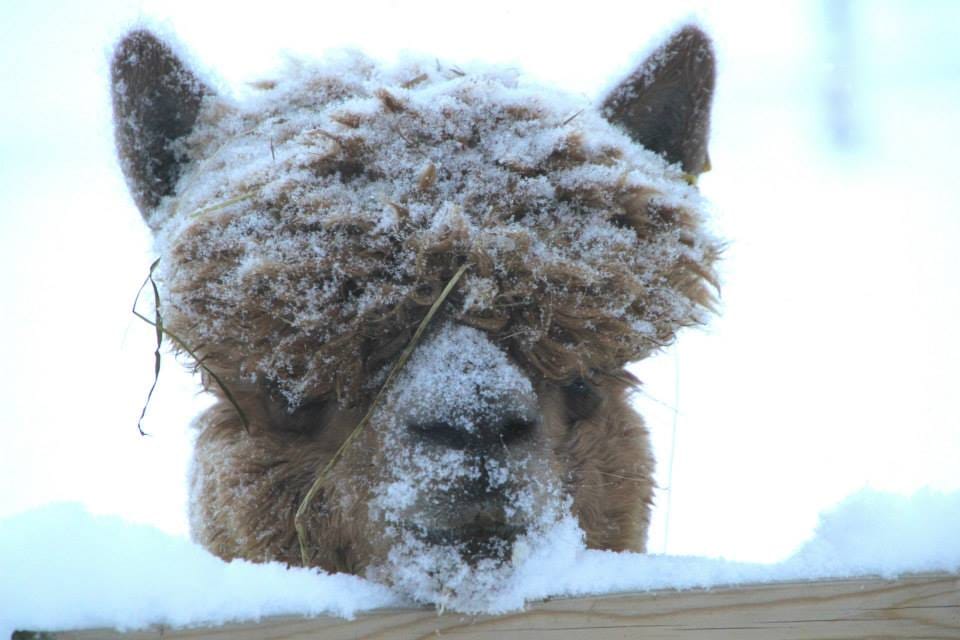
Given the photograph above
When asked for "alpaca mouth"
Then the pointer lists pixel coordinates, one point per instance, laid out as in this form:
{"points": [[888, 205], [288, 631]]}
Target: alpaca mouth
{"points": [[475, 540]]}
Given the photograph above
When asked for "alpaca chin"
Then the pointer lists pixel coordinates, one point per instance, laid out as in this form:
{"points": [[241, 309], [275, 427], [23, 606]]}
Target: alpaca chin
{"points": [[441, 505], [466, 566]]}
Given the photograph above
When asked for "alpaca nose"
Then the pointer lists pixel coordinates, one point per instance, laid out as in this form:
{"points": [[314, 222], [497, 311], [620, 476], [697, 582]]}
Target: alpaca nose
{"points": [[483, 435]]}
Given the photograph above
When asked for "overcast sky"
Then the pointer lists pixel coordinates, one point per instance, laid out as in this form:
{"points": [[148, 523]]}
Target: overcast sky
{"points": [[833, 366]]}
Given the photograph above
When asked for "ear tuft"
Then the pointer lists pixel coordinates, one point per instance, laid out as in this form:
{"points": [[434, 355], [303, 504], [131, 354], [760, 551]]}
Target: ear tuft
{"points": [[156, 100], [665, 103]]}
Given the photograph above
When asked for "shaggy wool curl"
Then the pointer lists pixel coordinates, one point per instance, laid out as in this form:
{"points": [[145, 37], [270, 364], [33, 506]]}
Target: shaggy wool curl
{"points": [[329, 211]]}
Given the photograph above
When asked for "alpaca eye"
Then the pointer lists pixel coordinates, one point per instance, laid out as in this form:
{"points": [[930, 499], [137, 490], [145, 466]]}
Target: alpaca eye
{"points": [[582, 399], [303, 418], [307, 417]]}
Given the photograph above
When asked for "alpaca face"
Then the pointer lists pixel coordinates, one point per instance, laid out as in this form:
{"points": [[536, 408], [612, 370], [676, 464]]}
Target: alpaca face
{"points": [[304, 234], [467, 463]]}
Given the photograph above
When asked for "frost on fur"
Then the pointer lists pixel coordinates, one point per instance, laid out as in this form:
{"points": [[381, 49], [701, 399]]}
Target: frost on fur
{"points": [[367, 190], [305, 232]]}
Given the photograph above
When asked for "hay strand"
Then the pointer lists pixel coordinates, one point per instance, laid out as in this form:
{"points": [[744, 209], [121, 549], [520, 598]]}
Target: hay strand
{"points": [[161, 331], [226, 203], [300, 516], [158, 325]]}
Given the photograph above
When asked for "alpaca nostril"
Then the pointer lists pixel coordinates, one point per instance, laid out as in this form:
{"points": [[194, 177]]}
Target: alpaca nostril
{"points": [[515, 430], [443, 434], [506, 432]]}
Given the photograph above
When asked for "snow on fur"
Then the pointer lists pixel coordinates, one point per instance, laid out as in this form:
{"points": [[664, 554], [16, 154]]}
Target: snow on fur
{"points": [[331, 208]]}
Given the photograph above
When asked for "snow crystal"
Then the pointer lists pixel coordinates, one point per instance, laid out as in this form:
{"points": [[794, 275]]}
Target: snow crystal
{"points": [[51, 556]]}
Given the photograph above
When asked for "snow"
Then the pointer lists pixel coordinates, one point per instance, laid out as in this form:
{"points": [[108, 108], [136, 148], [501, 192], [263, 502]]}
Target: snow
{"points": [[458, 376], [64, 568]]}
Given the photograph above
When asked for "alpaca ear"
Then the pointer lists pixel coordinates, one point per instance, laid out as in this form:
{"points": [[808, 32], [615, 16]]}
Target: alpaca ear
{"points": [[155, 102], [665, 104]]}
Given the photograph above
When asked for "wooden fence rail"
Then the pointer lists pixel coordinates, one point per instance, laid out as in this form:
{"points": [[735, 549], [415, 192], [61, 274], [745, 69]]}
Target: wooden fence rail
{"points": [[923, 606]]}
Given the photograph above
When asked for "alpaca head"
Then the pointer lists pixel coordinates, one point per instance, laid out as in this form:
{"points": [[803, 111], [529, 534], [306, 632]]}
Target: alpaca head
{"points": [[304, 233]]}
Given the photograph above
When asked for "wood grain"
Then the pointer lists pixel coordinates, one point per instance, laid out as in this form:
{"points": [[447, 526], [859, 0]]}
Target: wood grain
{"points": [[924, 606]]}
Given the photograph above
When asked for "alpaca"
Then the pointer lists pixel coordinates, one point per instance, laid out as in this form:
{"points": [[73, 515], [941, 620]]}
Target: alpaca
{"points": [[304, 232]]}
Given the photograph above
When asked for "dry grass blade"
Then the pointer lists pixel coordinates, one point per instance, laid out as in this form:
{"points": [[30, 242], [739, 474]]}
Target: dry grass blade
{"points": [[226, 203], [159, 327], [298, 519], [157, 323], [571, 118]]}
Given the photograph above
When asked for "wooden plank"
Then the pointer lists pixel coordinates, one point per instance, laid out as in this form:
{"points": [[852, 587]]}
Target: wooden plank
{"points": [[924, 606]]}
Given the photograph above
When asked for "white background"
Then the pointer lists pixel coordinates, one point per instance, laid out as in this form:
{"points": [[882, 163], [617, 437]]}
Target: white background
{"points": [[833, 366]]}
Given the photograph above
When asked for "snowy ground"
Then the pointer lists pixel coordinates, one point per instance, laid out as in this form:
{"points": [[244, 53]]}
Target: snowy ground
{"points": [[64, 568]]}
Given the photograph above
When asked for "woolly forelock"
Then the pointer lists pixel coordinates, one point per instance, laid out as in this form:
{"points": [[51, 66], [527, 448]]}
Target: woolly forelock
{"points": [[319, 220]]}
